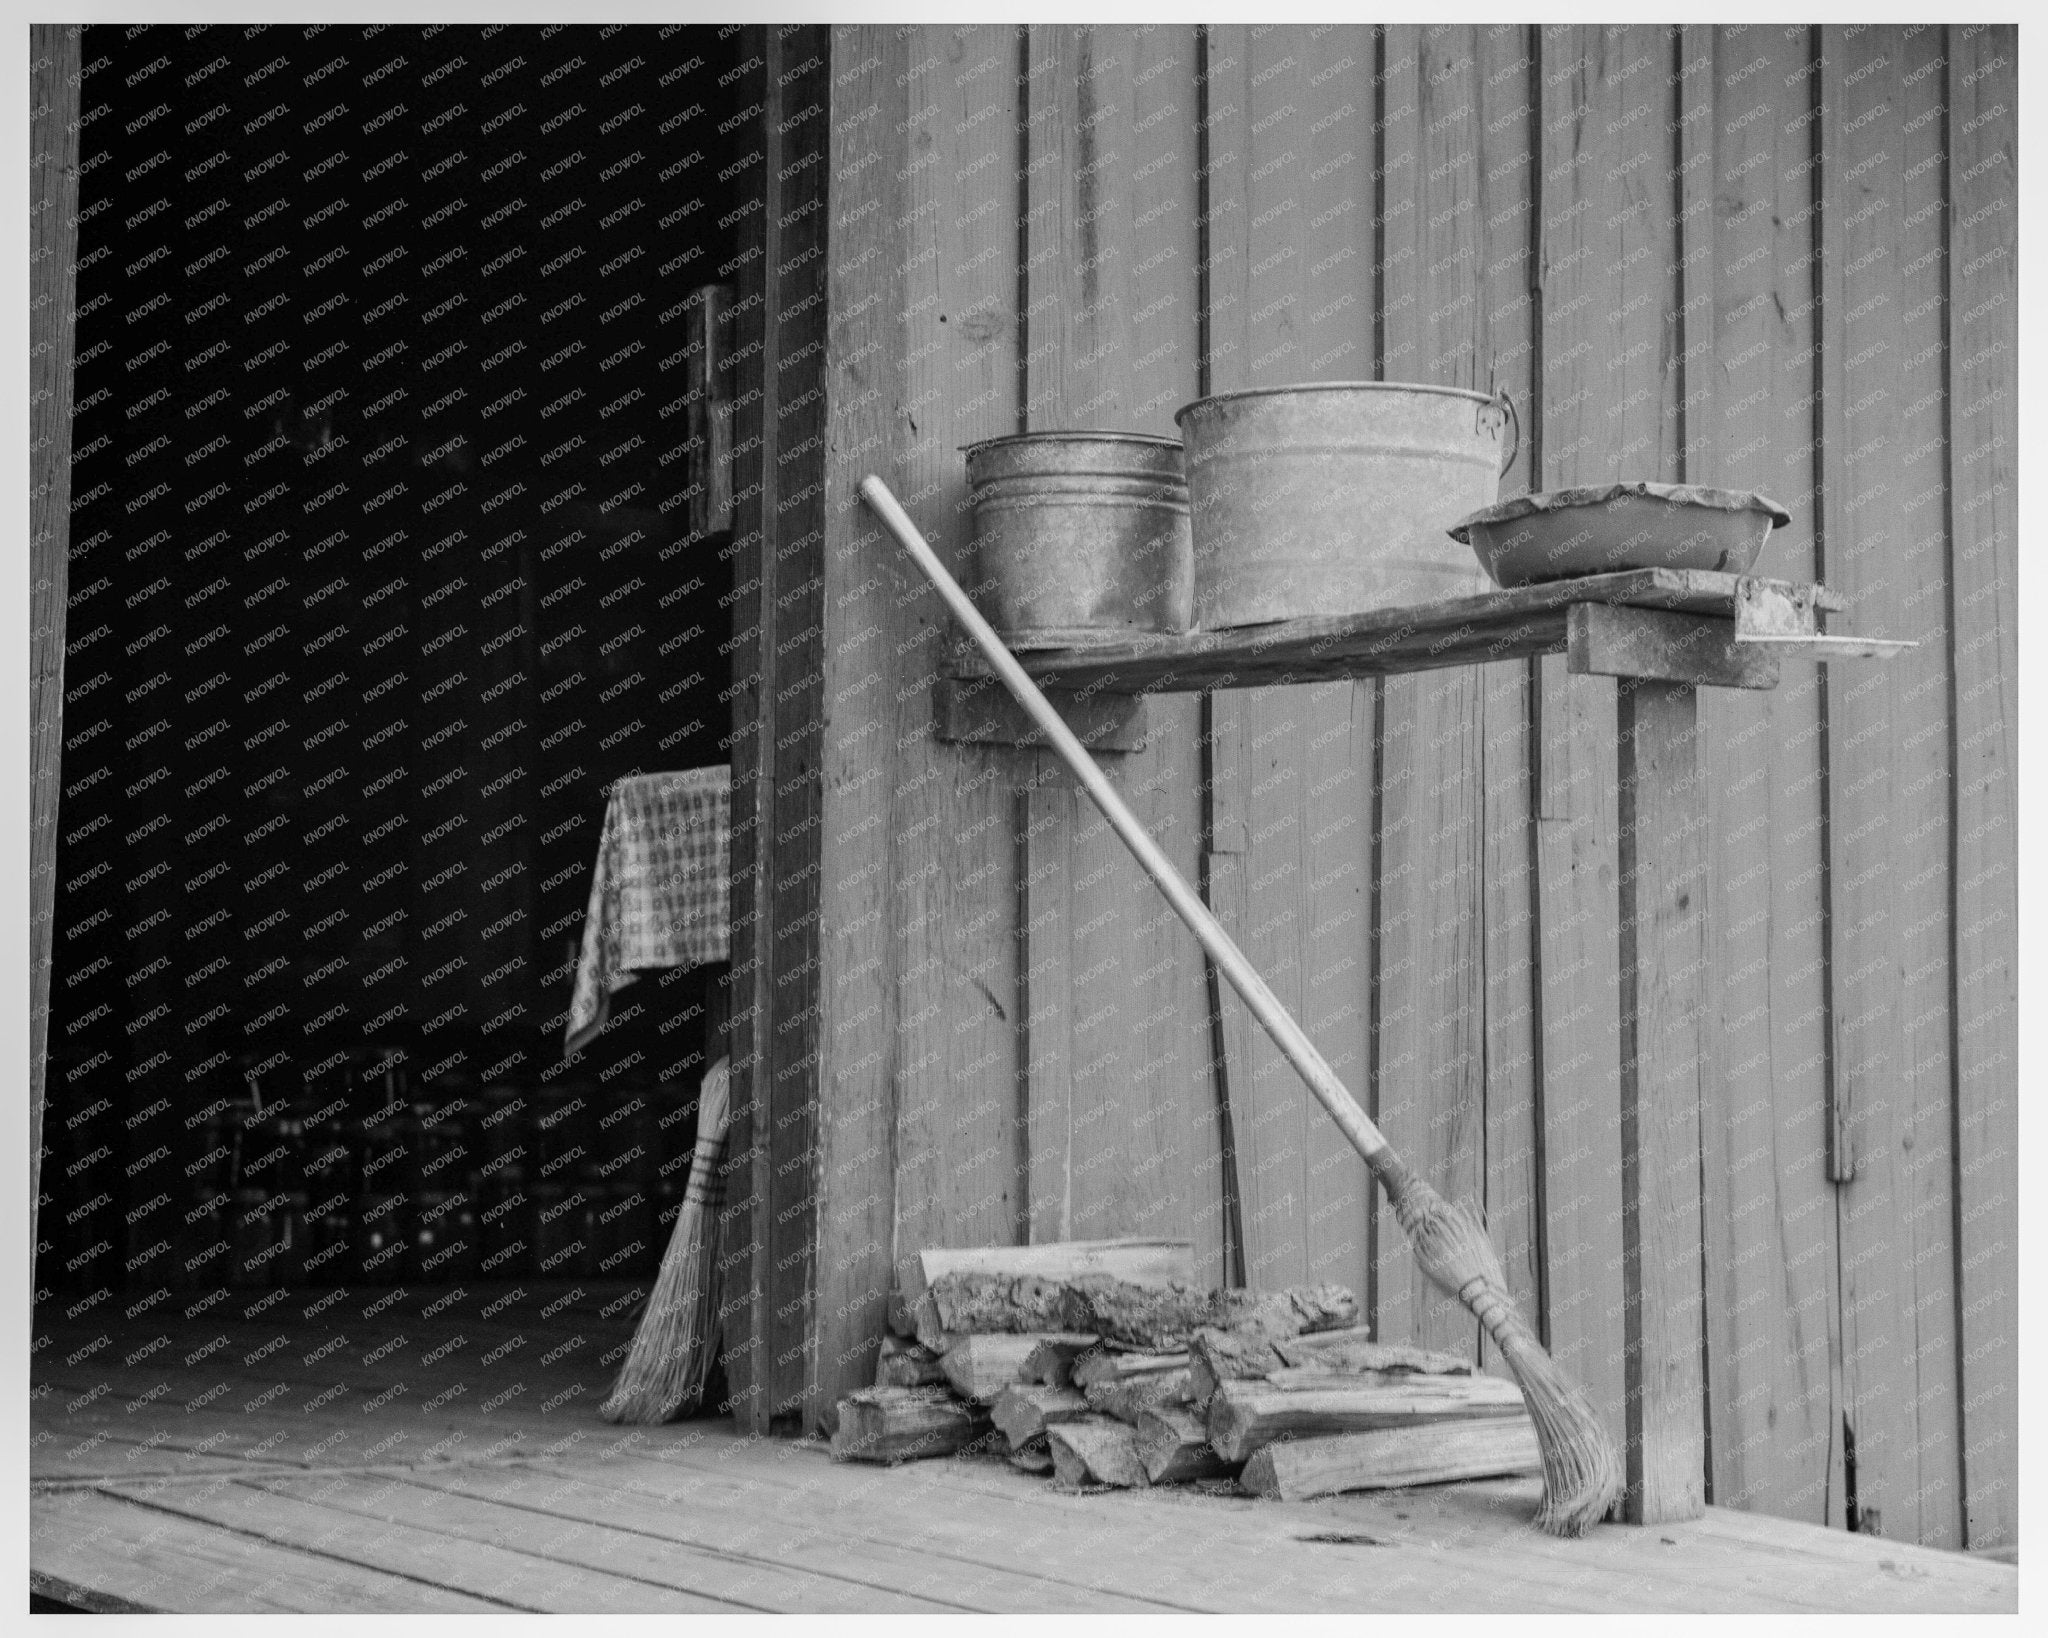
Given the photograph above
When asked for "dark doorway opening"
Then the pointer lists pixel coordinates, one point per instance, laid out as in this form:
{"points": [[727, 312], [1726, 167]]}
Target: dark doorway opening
{"points": [[390, 552]]}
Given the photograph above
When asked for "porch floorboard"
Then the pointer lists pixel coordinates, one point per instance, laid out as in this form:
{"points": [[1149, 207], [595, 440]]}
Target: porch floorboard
{"points": [[338, 1494]]}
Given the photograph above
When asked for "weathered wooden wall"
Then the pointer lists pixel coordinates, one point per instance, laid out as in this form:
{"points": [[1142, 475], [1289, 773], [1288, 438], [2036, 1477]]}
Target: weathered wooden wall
{"points": [[1771, 258]]}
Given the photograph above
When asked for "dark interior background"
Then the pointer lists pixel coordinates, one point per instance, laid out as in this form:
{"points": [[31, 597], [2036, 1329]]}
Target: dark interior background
{"points": [[381, 573]]}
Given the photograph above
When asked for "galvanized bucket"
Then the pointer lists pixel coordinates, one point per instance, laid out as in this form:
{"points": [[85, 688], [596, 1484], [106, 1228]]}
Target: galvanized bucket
{"points": [[1080, 537], [1335, 498]]}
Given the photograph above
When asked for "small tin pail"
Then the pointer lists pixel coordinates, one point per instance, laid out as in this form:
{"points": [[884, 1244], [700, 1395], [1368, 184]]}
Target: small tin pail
{"points": [[1080, 537]]}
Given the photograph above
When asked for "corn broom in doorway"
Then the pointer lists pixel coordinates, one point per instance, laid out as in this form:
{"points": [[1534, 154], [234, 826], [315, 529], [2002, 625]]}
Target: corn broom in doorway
{"points": [[1582, 1474], [663, 1374]]}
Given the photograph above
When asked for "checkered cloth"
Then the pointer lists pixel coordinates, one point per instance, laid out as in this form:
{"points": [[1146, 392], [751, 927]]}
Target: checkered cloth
{"points": [[658, 894]]}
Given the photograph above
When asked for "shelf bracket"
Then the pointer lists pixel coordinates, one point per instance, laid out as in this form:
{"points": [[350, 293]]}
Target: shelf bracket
{"points": [[981, 711], [1611, 640]]}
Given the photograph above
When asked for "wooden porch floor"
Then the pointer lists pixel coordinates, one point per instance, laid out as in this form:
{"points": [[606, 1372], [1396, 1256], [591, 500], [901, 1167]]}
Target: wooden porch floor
{"points": [[453, 1461]]}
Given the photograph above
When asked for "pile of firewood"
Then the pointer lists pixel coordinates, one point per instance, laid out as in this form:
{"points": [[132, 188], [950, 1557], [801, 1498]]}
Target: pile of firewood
{"points": [[1101, 1364]]}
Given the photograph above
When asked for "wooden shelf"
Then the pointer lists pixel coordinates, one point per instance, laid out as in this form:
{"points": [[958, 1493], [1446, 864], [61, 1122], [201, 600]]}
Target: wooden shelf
{"points": [[1660, 612]]}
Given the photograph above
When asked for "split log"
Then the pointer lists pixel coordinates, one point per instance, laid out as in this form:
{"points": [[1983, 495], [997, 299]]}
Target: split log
{"points": [[1127, 1398], [982, 1366], [1173, 1443], [1353, 1352], [1095, 1451], [1142, 1262], [905, 1425], [1433, 1454], [1244, 1416], [1288, 1379], [1024, 1410], [1216, 1357], [903, 1364], [1163, 1318], [1116, 1364], [1052, 1361]]}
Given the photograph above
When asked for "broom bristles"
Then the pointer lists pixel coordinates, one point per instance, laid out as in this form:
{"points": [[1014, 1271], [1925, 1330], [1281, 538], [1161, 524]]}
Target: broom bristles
{"points": [[1582, 1472], [662, 1376], [669, 1359]]}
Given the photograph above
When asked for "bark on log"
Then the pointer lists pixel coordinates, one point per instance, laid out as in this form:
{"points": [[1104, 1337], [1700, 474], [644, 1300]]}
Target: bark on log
{"points": [[1245, 1416], [967, 1302], [1295, 1469], [1163, 1318], [1142, 1262]]}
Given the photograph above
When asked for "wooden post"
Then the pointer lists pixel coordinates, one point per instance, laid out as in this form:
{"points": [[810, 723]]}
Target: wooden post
{"points": [[53, 272], [1660, 826]]}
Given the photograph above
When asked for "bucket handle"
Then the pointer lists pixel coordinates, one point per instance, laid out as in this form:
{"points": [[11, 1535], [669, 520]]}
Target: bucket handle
{"points": [[1502, 401]]}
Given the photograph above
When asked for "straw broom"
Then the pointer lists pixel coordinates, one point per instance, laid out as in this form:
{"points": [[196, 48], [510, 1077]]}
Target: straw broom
{"points": [[1582, 1474], [663, 1374]]}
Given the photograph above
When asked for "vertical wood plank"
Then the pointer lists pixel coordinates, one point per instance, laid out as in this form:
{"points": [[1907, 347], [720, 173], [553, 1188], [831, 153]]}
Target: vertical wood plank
{"points": [[1593, 355], [955, 892], [1749, 322], [54, 78], [1983, 98], [1921, 747], [1433, 1026], [1506, 111], [793, 277], [918, 975], [1046, 998], [1883, 487], [1111, 313], [860, 975], [1659, 832], [1290, 290]]}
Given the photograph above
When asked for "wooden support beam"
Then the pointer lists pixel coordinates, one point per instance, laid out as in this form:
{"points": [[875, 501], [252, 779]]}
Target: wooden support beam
{"points": [[1605, 641], [1660, 826], [983, 712]]}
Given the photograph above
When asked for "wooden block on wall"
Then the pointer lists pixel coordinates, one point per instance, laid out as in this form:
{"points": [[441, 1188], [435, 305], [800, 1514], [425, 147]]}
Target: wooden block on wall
{"points": [[981, 711], [1607, 640]]}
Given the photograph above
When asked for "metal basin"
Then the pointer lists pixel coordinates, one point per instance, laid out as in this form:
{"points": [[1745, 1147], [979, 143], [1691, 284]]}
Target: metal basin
{"points": [[1080, 537], [1334, 498], [1560, 534]]}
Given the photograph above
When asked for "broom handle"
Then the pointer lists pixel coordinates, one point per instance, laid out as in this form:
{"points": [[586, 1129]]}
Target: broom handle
{"points": [[1279, 1023]]}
